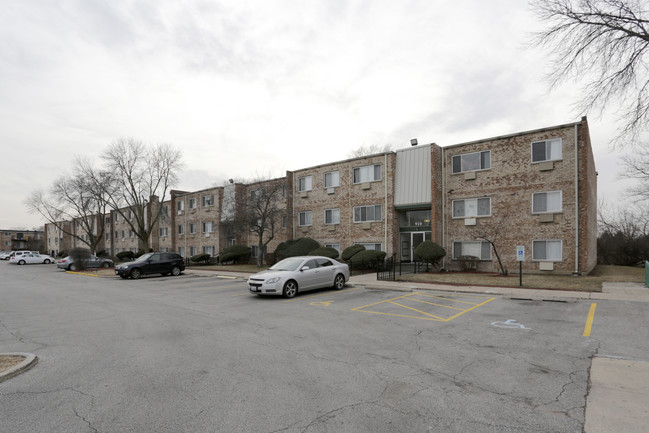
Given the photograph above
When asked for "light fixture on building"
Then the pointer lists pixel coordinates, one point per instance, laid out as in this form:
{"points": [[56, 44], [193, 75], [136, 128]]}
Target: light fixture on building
{"points": [[413, 142]]}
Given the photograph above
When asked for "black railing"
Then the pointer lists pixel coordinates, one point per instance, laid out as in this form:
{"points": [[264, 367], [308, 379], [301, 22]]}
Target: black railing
{"points": [[390, 269]]}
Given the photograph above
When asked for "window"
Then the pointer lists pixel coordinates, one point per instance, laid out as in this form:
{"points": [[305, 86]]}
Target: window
{"points": [[192, 229], [284, 221], [375, 247], [472, 207], [181, 229], [123, 234], [107, 220], [254, 194], [546, 202], [368, 173], [134, 250], [550, 251], [254, 251], [131, 234], [164, 231], [180, 205], [208, 200], [479, 249], [116, 217], [116, 234], [107, 236], [332, 216], [332, 179], [305, 183], [367, 213], [305, 218], [322, 263], [192, 203], [193, 251], [208, 227], [334, 246], [164, 211], [208, 250], [472, 161], [164, 249], [181, 251], [548, 150], [131, 215]]}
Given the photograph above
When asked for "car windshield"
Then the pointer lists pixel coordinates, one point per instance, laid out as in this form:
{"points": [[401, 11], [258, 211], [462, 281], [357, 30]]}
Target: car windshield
{"points": [[144, 257], [290, 264]]}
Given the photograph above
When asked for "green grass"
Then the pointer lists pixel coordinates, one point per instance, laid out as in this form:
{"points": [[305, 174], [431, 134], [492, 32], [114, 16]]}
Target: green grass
{"points": [[587, 283]]}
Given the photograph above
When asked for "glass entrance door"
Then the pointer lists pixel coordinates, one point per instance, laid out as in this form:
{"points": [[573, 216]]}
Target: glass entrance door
{"points": [[410, 241]]}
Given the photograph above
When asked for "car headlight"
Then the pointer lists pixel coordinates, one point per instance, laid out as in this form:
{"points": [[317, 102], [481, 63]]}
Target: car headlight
{"points": [[273, 280]]}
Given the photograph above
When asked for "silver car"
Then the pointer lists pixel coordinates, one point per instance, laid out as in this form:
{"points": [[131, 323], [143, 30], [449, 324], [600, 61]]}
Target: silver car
{"points": [[294, 274]]}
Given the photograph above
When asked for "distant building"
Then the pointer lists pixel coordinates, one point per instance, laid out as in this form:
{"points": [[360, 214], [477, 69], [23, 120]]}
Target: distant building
{"points": [[13, 240]]}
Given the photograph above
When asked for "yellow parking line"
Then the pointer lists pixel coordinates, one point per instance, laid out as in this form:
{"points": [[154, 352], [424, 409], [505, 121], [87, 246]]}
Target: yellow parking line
{"points": [[322, 294], [449, 299], [438, 305], [380, 302], [589, 320], [472, 308], [414, 309], [403, 315], [81, 273]]}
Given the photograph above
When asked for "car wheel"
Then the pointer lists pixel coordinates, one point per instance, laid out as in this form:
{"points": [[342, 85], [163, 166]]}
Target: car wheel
{"points": [[136, 274], [290, 289], [104, 265], [72, 267], [21, 262], [175, 271], [47, 261], [339, 282]]}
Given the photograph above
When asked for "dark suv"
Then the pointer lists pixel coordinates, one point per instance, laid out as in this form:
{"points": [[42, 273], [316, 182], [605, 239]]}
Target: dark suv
{"points": [[152, 263]]}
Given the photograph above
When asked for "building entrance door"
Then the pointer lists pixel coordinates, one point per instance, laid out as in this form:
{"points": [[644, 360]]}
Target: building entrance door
{"points": [[410, 241]]}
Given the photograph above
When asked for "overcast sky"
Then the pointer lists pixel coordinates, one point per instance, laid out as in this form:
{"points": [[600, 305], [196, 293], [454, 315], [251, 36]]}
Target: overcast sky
{"points": [[255, 88]]}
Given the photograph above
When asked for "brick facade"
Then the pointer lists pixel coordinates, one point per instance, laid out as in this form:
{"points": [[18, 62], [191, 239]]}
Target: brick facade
{"points": [[490, 184]]}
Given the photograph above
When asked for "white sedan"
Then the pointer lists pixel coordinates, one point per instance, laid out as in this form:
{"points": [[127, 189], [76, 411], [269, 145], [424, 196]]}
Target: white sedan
{"points": [[31, 258], [294, 274]]}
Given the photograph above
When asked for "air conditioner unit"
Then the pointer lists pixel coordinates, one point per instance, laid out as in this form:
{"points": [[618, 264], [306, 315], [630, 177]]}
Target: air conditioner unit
{"points": [[207, 235], [331, 190], [180, 212]]}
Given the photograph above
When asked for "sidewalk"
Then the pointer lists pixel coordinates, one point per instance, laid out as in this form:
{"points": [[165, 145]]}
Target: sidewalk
{"points": [[618, 394]]}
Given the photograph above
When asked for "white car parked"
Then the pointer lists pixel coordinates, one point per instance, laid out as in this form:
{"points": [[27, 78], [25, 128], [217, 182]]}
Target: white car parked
{"points": [[31, 258], [294, 274]]}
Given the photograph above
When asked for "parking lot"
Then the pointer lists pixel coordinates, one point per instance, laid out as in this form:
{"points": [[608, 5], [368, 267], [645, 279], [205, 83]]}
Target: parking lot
{"points": [[201, 354]]}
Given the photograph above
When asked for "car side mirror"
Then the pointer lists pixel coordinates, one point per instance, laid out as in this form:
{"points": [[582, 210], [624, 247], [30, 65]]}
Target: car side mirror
{"points": [[305, 268]]}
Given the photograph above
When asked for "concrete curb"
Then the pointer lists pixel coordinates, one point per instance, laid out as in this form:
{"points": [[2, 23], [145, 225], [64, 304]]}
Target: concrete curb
{"points": [[29, 361]]}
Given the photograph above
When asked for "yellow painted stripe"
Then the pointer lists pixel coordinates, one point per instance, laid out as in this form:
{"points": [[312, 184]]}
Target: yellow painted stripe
{"points": [[589, 321], [472, 308], [380, 302], [404, 315], [450, 299], [419, 311], [81, 273], [438, 305], [301, 298]]}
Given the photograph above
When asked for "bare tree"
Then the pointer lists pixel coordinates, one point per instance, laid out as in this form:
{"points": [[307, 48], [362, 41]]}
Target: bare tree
{"points": [[637, 168], [141, 174], [606, 43], [492, 233], [371, 149], [76, 199], [260, 212]]}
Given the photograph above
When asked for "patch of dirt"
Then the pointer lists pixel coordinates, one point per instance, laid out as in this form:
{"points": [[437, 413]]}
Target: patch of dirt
{"points": [[8, 361]]}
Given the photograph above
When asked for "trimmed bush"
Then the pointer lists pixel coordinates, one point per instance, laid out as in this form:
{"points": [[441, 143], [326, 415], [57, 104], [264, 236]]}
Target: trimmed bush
{"points": [[280, 251], [367, 259], [141, 253], [62, 253], [301, 247], [201, 258], [429, 252], [332, 253], [236, 254], [125, 255], [350, 252]]}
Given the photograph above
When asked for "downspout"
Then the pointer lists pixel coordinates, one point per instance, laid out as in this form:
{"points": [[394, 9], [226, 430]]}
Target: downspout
{"points": [[385, 224], [293, 205], [443, 206], [576, 272]]}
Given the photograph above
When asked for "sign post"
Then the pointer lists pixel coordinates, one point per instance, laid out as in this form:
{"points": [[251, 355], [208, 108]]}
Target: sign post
{"points": [[520, 257]]}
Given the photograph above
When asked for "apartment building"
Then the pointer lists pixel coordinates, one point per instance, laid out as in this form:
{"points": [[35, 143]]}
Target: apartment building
{"points": [[536, 189], [22, 240]]}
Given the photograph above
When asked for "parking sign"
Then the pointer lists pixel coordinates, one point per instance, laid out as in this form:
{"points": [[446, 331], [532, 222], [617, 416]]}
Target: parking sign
{"points": [[520, 253]]}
